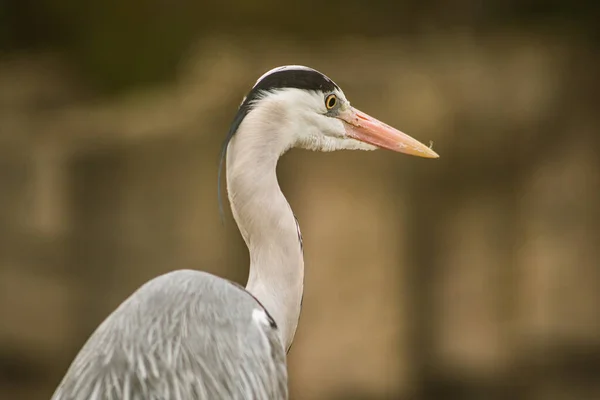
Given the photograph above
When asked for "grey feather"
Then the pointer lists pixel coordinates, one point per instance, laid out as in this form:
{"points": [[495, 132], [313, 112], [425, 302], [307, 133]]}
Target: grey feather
{"points": [[185, 335]]}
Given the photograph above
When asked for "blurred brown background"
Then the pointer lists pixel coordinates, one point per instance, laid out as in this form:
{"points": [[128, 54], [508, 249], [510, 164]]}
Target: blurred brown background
{"points": [[475, 276]]}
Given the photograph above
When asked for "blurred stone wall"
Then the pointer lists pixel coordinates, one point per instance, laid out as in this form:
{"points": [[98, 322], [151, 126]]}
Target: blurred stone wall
{"points": [[472, 276]]}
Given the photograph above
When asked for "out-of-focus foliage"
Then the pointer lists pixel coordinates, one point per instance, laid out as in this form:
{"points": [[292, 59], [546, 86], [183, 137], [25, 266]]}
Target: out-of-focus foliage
{"points": [[118, 43]]}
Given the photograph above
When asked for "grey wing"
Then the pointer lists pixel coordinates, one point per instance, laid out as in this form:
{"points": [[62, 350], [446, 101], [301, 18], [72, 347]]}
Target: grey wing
{"points": [[185, 335]]}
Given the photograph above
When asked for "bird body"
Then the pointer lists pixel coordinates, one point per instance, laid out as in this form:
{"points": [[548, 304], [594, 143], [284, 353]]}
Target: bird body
{"points": [[171, 339], [189, 335]]}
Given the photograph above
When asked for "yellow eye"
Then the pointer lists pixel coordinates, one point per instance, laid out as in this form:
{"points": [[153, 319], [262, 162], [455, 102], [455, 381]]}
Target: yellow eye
{"points": [[330, 101]]}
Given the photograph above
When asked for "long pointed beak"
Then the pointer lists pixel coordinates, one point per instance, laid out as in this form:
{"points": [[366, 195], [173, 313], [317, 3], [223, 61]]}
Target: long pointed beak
{"points": [[367, 129]]}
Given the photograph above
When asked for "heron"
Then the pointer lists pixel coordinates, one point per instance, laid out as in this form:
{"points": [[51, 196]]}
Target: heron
{"points": [[190, 335]]}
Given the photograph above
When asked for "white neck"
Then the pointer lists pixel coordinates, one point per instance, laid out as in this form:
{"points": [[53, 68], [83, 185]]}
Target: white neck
{"points": [[266, 221]]}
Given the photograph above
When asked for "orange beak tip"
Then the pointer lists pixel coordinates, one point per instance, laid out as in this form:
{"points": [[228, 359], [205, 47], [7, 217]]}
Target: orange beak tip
{"points": [[431, 154]]}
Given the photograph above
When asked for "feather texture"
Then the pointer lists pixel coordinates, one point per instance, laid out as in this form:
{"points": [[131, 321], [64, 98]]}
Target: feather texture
{"points": [[185, 335]]}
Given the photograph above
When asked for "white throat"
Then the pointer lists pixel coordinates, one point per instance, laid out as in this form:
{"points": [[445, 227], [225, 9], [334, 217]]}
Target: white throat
{"points": [[265, 218]]}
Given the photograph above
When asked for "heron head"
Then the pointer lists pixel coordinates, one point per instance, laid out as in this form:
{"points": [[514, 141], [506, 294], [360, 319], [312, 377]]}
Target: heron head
{"points": [[310, 111]]}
